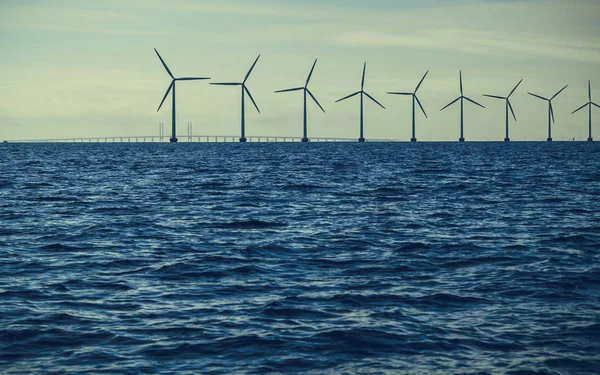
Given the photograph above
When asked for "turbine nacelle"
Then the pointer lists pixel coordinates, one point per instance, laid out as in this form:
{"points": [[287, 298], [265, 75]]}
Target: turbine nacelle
{"points": [[362, 91], [462, 96], [507, 98], [245, 90], [305, 88], [549, 101], [590, 102], [174, 79], [414, 94]]}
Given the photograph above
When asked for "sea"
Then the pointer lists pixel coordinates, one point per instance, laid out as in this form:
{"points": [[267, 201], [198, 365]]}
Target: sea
{"points": [[284, 258]]}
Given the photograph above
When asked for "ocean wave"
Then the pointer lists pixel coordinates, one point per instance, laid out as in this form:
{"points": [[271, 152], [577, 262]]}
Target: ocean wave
{"points": [[336, 258], [249, 225]]}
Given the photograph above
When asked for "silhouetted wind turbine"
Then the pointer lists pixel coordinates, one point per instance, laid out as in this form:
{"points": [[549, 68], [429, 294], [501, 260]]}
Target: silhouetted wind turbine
{"points": [[244, 92], [461, 98], [550, 111], [414, 98], [590, 103], [508, 106], [362, 93], [306, 91], [172, 86]]}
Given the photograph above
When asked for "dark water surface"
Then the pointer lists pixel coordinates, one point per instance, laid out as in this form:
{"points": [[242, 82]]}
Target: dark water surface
{"points": [[283, 258]]}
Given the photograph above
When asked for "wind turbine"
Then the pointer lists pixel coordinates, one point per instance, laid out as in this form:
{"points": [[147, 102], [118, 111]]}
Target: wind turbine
{"points": [[306, 91], [414, 98], [550, 111], [244, 92], [362, 92], [461, 98], [508, 106], [172, 86], [590, 103]]}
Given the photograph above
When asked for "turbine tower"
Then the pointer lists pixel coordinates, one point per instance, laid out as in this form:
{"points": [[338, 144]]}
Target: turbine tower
{"points": [[508, 106], [550, 111], [172, 86], [590, 103], [414, 98], [244, 92], [462, 99], [306, 91], [362, 92]]}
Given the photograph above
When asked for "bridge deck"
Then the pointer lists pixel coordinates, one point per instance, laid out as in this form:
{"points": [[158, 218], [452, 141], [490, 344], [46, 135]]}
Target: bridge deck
{"points": [[193, 138]]}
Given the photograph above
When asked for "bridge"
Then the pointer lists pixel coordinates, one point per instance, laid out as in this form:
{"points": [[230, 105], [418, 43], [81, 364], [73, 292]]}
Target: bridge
{"points": [[188, 138]]}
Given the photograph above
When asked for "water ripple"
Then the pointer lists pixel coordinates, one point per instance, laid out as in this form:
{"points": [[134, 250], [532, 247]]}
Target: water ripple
{"points": [[475, 258]]}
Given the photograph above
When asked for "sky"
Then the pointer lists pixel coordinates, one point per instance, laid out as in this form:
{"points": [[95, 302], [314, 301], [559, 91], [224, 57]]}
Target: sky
{"points": [[88, 69]]}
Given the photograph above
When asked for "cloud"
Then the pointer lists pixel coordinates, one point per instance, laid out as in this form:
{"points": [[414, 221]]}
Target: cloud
{"points": [[229, 8], [74, 20], [476, 41], [83, 29]]}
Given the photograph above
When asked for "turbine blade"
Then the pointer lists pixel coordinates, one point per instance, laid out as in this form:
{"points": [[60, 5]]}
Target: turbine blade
{"points": [[513, 90], [474, 102], [589, 90], [251, 98], [421, 81], [226, 83], [449, 104], [373, 99], [596, 105], [422, 109], [346, 97], [494, 96], [294, 89], [461, 86], [511, 109], [400, 93], [537, 96], [311, 72], [164, 64], [315, 99], [561, 90], [191, 78], [580, 108], [251, 68], [362, 84], [552, 112], [166, 94]]}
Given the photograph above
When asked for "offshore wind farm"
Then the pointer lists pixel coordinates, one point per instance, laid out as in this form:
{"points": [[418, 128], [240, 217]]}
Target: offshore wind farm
{"points": [[118, 95], [306, 92], [299, 187]]}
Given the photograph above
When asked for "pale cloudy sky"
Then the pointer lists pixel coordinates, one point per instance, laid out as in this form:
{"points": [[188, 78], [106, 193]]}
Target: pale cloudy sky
{"points": [[71, 68]]}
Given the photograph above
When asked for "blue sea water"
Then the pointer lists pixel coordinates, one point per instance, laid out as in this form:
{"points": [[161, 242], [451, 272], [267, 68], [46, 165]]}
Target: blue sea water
{"points": [[375, 258]]}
